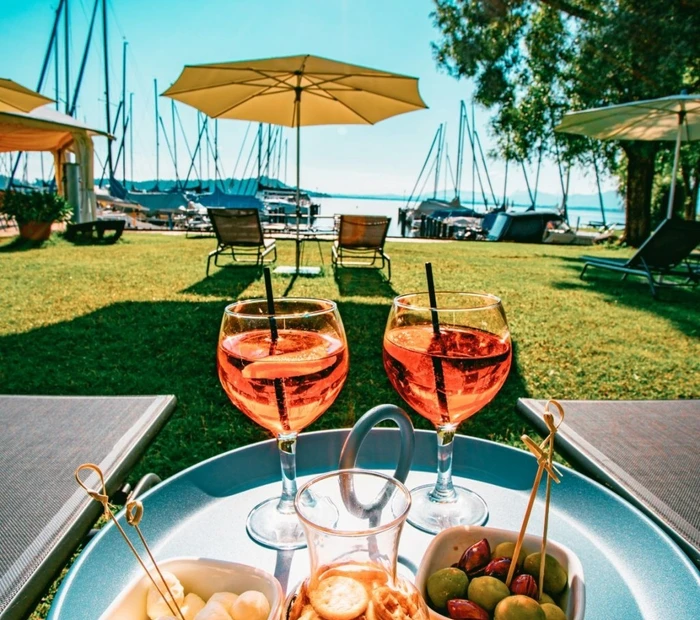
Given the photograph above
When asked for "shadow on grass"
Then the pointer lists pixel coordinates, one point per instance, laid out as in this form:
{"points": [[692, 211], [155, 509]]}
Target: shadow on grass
{"points": [[677, 305], [18, 244], [363, 282], [169, 347], [227, 282]]}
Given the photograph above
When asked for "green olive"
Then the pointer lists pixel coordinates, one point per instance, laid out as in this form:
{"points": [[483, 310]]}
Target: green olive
{"points": [[552, 612], [519, 607], [555, 577], [545, 598], [446, 584], [506, 549], [487, 592]]}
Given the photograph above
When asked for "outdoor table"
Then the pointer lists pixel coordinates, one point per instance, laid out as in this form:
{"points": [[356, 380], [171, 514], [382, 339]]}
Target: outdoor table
{"points": [[305, 234], [632, 568], [645, 450], [44, 516]]}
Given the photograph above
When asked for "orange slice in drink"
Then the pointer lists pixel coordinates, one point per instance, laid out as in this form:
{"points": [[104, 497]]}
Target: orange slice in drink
{"points": [[289, 365]]}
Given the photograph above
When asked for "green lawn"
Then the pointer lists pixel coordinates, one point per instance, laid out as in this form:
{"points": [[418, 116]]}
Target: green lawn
{"points": [[139, 317]]}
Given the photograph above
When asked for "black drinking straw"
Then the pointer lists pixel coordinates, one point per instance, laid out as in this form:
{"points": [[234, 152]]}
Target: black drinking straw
{"points": [[274, 336], [437, 363], [271, 305], [432, 298]]}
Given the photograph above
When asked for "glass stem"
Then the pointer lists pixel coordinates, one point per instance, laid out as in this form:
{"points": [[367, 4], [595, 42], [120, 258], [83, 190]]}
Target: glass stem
{"points": [[287, 445], [444, 492]]}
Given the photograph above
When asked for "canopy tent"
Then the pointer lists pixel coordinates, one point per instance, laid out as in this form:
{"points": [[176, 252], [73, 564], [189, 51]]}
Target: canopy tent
{"points": [[17, 98], [45, 129]]}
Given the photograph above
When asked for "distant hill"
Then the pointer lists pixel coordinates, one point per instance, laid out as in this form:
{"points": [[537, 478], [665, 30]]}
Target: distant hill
{"points": [[611, 200], [233, 186]]}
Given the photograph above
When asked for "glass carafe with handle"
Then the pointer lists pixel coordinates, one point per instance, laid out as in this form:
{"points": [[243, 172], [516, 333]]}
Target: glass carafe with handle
{"points": [[353, 526]]}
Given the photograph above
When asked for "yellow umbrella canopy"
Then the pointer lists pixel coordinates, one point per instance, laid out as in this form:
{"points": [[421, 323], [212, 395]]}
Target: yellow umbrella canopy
{"points": [[295, 91], [16, 98], [267, 91]]}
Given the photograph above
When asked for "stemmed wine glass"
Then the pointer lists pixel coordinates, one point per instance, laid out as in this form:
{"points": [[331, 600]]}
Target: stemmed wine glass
{"points": [[447, 360], [282, 370]]}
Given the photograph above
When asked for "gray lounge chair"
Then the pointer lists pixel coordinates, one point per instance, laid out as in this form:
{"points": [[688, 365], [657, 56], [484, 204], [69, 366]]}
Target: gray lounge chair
{"points": [[240, 232], [44, 515], [361, 241], [662, 259]]}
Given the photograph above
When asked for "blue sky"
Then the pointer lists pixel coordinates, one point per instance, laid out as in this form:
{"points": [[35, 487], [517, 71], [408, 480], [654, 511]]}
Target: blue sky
{"points": [[164, 35]]}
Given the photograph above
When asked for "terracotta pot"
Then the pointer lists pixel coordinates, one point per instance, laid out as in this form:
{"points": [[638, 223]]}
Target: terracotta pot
{"points": [[35, 231]]}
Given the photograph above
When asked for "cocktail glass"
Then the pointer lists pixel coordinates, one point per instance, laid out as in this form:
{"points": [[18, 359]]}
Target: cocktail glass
{"points": [[447, 362], [282, 384]]}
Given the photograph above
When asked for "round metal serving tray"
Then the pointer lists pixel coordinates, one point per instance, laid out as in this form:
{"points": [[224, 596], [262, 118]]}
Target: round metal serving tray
{"points": [[632, 568]]}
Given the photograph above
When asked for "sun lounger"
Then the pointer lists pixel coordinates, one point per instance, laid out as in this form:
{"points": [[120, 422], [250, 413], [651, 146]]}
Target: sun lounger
{"points": [[361, 241], [44, 515], [240, 232], [87, 231], [662, 259], [646, 451]]}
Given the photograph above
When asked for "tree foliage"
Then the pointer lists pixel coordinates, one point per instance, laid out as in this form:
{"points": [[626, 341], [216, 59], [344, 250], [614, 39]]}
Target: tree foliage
{"points": [[534, 60]]}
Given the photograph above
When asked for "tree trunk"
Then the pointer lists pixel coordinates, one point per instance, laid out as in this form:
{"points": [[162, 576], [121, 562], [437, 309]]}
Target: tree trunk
{"points": [[691, 205], [640, 178]]}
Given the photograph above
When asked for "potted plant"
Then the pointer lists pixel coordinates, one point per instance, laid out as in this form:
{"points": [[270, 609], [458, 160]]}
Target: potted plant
{"points": [[34, 212]]}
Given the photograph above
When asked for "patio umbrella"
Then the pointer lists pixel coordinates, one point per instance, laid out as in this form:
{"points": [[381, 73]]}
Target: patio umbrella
{"points": [[294, 91], [16, 98], [675, 118]]}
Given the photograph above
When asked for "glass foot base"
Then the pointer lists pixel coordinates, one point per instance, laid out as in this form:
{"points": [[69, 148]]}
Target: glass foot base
{"points": [[430, 516], [270, 527]]}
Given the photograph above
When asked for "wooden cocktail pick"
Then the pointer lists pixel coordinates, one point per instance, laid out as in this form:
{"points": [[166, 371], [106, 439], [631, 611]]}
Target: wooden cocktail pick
{"points": [[134, 513], [544, 453]]}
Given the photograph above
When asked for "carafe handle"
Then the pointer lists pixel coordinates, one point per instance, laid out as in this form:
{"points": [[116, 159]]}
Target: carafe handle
{"points": [[380, 413]]}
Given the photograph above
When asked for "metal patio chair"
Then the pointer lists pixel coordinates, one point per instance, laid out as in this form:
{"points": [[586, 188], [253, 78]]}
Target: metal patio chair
{"points": [[361, 241], [240, 232]]}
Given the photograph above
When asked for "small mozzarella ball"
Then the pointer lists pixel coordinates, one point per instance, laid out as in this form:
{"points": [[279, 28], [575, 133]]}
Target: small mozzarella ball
{"points": [[192, 606], [213, 611], [251, 605], [155, 605], [225, 599]]}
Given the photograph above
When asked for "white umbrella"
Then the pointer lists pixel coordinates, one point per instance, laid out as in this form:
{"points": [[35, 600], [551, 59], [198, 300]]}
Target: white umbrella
{"points": [[675, 118]]}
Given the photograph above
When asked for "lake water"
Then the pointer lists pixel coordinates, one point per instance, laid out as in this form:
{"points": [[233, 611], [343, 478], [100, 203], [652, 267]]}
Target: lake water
{"points": [[390, 208]]}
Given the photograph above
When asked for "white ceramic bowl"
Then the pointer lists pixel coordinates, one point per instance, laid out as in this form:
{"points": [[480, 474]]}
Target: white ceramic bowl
{"points": [[447, 548], [204, 577]]}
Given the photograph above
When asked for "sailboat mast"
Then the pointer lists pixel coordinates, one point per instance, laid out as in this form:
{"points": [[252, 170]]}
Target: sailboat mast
{"points": [[124, 113], [155, 92], [172, 114], [66, 52], [460, 150], [106, 67], [56, 73], [473, 159], [199, 145], [260, 138], [216, 152], [439, 157], [131, 138]]}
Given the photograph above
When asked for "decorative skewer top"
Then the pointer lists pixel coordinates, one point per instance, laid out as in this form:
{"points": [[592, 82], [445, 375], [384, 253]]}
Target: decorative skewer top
{"points": [[133, 515], [544, 453]]}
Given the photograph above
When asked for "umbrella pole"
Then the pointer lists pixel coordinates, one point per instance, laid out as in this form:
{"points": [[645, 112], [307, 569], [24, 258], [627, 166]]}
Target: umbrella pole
{"points": [[676, 159], [298, 123]]}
